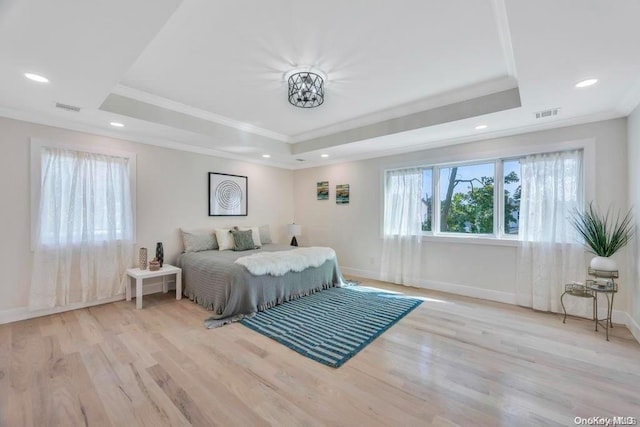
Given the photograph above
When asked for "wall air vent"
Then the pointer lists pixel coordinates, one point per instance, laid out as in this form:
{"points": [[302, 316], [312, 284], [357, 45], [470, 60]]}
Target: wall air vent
{"points": [[300, 160], [552, 112], [67, 107]]}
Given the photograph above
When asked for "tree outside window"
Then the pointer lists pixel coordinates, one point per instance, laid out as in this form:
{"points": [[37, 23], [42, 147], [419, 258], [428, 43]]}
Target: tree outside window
{"points": [[512, 188], [467, 202], [427, 200], [466, 199]]}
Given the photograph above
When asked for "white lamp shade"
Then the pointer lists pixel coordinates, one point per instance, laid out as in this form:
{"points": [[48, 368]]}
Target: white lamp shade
{"points": [[294, 229]]}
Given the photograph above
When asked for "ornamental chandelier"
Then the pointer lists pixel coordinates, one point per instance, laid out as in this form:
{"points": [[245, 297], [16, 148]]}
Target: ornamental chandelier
{"points": [[306, 89]]}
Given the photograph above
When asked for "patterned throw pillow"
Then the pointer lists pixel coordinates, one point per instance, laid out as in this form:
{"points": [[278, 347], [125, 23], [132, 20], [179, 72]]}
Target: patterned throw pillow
{"points": [[199, 241], [243, 240], [255, 234]]}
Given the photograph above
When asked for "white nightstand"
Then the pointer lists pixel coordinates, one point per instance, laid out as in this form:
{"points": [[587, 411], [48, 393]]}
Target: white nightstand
{"points": [[140, 275]]}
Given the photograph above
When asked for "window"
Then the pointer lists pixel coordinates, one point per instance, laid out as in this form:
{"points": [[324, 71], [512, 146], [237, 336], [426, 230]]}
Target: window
{"points": [[427, 199], [84, 197], [81, 197], [466, 199], [480, 198], [83, 210], [512, 188]]}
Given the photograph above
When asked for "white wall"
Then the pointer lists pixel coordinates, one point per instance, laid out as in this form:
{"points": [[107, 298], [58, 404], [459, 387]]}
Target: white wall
{"points": [[171, 193], [483, 270], [634, 200]]}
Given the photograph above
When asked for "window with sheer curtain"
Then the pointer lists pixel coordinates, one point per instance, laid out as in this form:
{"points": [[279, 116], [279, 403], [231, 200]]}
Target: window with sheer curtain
{"points": [[530, 197], [465, 196], [402, 228], [550, 252], [84, 227]]}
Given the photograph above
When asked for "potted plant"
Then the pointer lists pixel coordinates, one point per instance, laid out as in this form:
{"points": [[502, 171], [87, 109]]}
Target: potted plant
{"points": [[603, 234]]}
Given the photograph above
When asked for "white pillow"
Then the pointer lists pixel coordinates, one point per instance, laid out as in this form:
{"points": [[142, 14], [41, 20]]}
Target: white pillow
{"points": [[255, 234], [225, 239], [265, 234]]}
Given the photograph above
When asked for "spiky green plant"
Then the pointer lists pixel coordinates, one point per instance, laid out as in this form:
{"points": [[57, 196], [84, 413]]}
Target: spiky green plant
{"points": [[602, 234]]}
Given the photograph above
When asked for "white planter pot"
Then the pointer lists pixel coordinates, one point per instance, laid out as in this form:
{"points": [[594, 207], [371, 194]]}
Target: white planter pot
{"points": [[603, 264]]}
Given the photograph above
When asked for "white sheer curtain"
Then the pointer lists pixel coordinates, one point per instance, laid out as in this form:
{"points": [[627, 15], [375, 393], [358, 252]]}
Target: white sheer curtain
{"points": [[550, 254], [402, 230], [85, 228]]}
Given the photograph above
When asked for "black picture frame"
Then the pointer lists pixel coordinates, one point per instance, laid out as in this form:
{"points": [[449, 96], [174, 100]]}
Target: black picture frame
{"points": [[228, 194]]}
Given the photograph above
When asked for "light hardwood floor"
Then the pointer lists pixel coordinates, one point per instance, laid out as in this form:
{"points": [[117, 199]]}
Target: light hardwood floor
{"points": [[452, 361]]}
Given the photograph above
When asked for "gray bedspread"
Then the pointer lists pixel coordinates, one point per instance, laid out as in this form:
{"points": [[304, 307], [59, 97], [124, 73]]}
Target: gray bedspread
{"points": [[230, 291]]}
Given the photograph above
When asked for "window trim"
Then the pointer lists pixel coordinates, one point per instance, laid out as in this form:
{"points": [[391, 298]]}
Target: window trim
{"points": [[429, 159], [36, 146]]}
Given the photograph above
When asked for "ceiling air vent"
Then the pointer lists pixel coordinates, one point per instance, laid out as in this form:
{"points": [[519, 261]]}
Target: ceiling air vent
{"points": [[552, 112], [67, 107], [300, 160]]}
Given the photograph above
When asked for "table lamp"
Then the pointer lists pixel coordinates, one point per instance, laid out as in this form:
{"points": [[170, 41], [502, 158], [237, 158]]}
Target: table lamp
{"points": [[294, 230]]}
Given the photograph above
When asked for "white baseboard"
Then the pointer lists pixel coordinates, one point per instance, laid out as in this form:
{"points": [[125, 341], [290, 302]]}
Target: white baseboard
{"points": [[468, 291], [365, 274], [624, 318], [633, 327], [23, 313], [617, 316]]}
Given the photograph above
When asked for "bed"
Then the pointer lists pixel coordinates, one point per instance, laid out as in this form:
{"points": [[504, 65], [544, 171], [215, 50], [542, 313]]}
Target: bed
{"points": [[213, 279]]}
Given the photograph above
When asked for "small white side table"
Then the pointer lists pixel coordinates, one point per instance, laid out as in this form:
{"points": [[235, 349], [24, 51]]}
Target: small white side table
{"points": [[140, 275]]}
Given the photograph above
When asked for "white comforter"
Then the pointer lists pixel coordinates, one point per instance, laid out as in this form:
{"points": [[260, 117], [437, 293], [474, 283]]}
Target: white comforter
{"points": [[280, 263]]}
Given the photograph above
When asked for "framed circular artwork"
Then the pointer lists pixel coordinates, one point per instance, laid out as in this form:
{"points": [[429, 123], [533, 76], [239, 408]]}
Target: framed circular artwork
{"points": [[227, 194]]}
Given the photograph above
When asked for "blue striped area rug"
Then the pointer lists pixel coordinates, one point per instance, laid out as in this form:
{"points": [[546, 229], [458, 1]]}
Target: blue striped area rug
{"points": [[332, 326]]}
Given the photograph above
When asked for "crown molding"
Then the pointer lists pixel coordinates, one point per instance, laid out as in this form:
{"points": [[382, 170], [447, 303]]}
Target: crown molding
{"points": [[58, 122], [48, 120], [630, 101], [159, 101], [504, 33], [488, 87], [437, 143], [426, 118]]}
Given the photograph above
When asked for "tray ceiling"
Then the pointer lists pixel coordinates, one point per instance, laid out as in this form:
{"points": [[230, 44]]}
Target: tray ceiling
{"points": [[403, 75]]}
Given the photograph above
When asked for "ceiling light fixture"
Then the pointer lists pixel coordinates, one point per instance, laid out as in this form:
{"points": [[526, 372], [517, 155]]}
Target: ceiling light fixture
{"points": [[266, 156], [306, 88], [36, 78], [586, 83], [324, 155], [480, 127], [116, 124]]}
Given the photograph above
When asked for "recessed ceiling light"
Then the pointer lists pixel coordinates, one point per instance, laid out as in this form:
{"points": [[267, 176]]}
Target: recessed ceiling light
{"points": [[587, 82], [36, 78], [324, 155], [480, 127], [116, 124], [266, 156]]}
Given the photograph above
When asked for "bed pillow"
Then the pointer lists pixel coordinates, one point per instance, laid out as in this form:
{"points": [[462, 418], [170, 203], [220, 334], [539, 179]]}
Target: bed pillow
{"points": [[243, 240], [225, 239], [255, 235], [265, 234], [196, 241]]}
